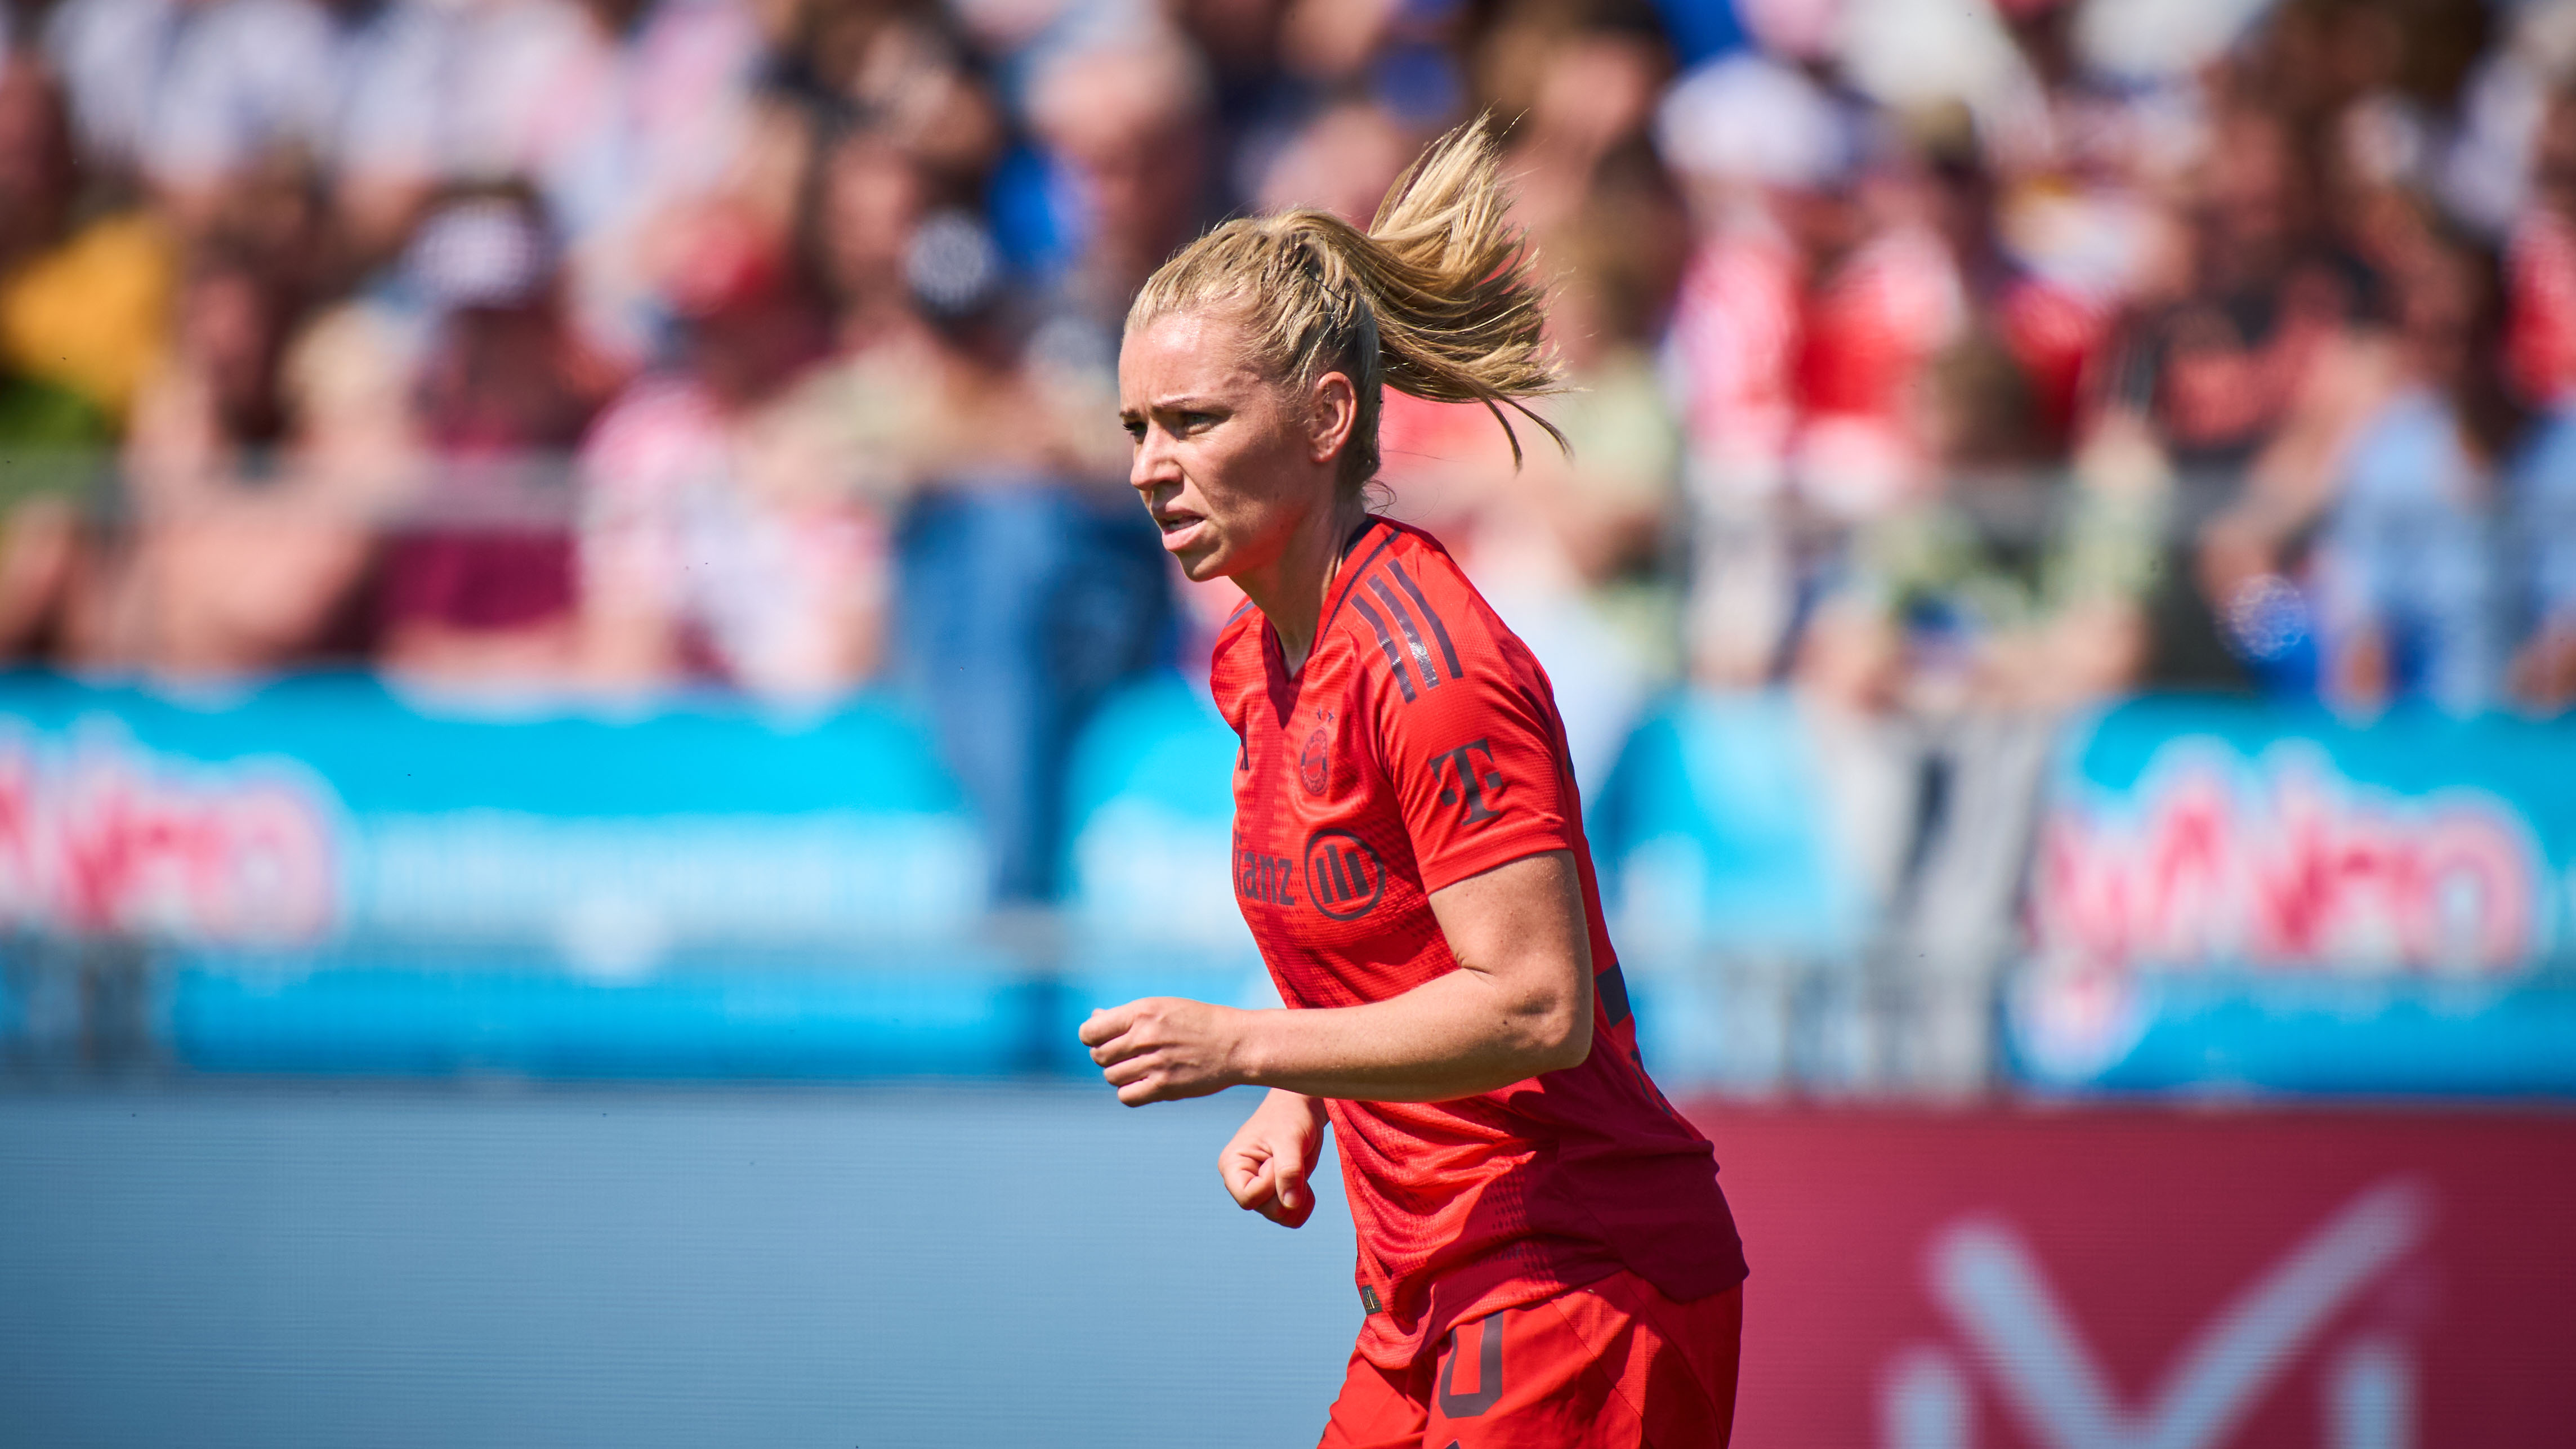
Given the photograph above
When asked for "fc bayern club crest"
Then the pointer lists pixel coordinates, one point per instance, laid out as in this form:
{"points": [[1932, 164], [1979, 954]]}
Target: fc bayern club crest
{"points": [[1315, 763]]}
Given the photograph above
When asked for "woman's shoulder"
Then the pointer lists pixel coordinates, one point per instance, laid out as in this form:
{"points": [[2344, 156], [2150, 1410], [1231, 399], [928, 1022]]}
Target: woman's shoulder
{"points": [[1422, 571], [1412, 607]]}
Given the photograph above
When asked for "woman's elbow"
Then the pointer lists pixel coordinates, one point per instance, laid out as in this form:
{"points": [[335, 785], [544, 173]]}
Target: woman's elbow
{"points": [[1560, 1035]]}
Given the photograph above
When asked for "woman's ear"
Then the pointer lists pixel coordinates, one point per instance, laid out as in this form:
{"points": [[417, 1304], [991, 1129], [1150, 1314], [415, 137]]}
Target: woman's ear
{"points": [[1333, 410]]}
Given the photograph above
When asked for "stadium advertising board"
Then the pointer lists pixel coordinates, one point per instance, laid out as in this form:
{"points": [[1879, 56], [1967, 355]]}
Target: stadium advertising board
{"points": [[2235, 894], [325, 875], [326, 811], [2121, 1280]]}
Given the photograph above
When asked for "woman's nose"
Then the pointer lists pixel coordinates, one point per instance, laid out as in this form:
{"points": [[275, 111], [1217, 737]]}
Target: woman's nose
{"points": [[1153, 465]]}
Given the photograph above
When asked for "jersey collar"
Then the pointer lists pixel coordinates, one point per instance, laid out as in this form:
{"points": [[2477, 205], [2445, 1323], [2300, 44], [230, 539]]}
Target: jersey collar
{"points": [[1349, 575]]}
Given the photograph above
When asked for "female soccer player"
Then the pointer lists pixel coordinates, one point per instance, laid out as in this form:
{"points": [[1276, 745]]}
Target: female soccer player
{"points": [[1544, 1256]]}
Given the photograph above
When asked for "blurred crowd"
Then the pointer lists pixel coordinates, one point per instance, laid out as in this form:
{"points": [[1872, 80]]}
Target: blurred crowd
{"points": [[1937, 357]]}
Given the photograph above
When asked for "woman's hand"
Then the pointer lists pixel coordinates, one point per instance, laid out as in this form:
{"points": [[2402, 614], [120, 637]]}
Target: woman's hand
{"points": [[1272, 1155], [1165, 1048]]}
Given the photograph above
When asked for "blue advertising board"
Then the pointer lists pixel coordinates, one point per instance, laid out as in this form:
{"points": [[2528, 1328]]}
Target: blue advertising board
{"points": [[326, 875], [1711, 834], [2232, 895], [321, 811]]}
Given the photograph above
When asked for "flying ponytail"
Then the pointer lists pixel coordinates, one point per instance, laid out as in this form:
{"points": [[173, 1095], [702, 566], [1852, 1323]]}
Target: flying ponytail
{"points": [[1435, 299]]}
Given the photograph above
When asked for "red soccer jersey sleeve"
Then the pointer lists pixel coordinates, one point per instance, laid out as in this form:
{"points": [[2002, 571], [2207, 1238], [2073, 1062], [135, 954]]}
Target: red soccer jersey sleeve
{"points": [[1474, 760]]}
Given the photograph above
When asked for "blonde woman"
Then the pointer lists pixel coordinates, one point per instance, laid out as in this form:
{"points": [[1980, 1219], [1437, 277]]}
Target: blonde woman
{"points": [[1544, 1255]]}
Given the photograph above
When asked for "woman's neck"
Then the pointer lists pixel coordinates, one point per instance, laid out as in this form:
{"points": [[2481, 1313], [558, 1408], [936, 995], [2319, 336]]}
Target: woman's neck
{"points": [[1290, 591]]}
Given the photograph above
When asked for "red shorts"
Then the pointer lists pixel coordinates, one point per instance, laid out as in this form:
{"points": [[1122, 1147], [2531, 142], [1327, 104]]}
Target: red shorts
{"points": [[1610, 1365]]}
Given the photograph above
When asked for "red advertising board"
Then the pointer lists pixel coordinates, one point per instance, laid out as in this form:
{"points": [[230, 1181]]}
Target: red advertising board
{"points": [[2092, 1279]]}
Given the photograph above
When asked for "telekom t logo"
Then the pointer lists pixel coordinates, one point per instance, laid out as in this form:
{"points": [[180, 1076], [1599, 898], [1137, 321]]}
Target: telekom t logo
{"points": [[1467, 779], [1986, 1281]]}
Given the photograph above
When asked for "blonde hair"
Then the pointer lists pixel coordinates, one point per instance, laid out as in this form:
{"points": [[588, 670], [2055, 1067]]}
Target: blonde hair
{"points": [[1436, 299]]}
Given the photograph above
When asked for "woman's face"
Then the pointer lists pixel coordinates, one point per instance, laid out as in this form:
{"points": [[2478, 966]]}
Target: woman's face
{"points": [[1228, 460]]}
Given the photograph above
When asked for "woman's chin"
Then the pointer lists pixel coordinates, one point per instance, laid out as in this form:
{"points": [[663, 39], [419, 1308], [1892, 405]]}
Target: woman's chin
{"points": [[1201, 562]]}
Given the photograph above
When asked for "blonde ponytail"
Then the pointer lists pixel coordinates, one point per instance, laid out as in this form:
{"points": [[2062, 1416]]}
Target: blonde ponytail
{"points": [[1435, 299]]}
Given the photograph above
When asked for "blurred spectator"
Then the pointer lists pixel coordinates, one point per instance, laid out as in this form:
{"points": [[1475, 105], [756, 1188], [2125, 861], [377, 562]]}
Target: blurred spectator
{"points": [[1026, 582], [902, 69], [2540, 262], [1583, 81], [1889, 298], [2543, 526], [479, 588], [1030, 583], [870, 199], [215, 406], [255, 509], [1952, 633], [2227, 330], [1126, 117], [1759, 146], [82, 301], [2410, 600], [49, 433], [1403, 53], [712, 543], [1342, 160], [618, 113], [2012, 586], [1571, 547], [2236, 349]]}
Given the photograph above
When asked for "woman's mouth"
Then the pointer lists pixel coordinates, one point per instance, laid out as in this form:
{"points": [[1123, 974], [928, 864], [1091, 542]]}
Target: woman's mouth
{"points": [[1180, 530]]}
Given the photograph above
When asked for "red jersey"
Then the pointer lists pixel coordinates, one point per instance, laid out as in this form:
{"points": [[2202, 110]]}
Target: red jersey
{"points": [[1418, 746]]}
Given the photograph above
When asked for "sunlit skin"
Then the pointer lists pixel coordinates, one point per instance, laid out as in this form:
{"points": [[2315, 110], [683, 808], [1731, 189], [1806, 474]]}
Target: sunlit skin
{"points": [[1239, 470], [1242, 473]]}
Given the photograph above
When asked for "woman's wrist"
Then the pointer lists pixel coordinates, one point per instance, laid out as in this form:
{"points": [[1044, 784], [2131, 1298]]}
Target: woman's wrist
{"points": [[1248, 1047]]}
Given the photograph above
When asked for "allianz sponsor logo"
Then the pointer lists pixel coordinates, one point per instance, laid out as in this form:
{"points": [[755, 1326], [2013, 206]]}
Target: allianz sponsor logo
{"points": [[2015, 1331]]}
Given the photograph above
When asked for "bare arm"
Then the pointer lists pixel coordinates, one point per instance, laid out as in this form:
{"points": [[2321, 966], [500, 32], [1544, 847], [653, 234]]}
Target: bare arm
{"points": [[1519, 1004]]}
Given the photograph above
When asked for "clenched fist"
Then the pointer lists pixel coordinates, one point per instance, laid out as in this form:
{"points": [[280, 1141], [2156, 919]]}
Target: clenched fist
{"points": [[1165, 1048]]}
